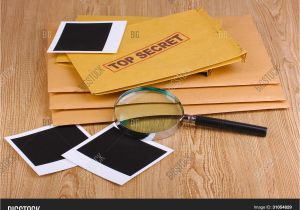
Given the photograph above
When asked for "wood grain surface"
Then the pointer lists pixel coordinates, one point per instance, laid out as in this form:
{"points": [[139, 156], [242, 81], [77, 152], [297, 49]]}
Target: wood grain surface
{"points": [[206, 163]]}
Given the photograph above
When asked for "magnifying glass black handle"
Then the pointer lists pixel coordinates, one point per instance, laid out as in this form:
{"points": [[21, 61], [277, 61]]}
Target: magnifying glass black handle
{"points": [[231, 126]]}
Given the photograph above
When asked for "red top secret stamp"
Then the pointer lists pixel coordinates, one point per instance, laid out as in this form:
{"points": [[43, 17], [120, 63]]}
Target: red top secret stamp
{"points": [[146, 52]]}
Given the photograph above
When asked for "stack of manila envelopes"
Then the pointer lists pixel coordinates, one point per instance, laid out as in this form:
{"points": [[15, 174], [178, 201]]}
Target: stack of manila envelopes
{"points": [[231, 88]]}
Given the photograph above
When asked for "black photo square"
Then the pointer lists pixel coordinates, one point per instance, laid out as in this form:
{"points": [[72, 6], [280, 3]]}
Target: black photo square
{"points": [[121, 152], [83, 37]]}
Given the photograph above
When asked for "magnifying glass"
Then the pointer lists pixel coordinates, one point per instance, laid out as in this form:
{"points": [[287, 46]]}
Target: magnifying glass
{"points": [[148, 110]]}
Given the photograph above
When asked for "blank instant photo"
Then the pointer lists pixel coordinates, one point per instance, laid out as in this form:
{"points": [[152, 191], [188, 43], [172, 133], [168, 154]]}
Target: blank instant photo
{"points": [[88, 37], [42, 148], [116, 156]]}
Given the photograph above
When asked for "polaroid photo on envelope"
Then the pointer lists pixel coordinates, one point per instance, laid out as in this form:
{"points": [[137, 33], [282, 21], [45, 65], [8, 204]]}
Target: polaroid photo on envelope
{"points": [[88, 37], [116, 156], [42, 148]]}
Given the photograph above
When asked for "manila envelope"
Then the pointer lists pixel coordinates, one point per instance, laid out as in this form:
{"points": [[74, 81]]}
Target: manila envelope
{"points": [[187, 96], [165, 49], [87, 116], [64, 78]]}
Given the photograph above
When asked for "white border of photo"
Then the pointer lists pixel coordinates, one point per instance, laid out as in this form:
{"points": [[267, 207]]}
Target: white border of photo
{"points": [[106, 172], [49, 167], [111, 45]]}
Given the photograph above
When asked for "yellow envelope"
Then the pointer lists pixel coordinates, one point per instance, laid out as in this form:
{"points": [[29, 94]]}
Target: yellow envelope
{"points": [[64, 78], [87, 116], [187, 96], [166, 48]]}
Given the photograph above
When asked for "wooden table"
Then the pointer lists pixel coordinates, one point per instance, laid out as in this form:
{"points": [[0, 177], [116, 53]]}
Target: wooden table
{"points": [[208, 164]]}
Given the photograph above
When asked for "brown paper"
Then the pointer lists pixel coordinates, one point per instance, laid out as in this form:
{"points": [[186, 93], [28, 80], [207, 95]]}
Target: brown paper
{"points": [[64, 78], [86, 116], [212, 95], [162, 52]]}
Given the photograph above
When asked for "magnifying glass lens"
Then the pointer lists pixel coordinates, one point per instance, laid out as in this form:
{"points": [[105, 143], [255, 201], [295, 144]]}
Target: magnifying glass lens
{"points": [[148, 110]]}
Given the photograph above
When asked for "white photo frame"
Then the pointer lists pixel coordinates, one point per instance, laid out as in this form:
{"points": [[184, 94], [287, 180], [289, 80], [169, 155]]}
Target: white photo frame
{"points": [[49, 167], [111, 45], [104, 171]]}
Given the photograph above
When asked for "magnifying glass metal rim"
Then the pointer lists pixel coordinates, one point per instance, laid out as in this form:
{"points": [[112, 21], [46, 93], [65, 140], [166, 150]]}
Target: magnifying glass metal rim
{"points": [[158, 135]]}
